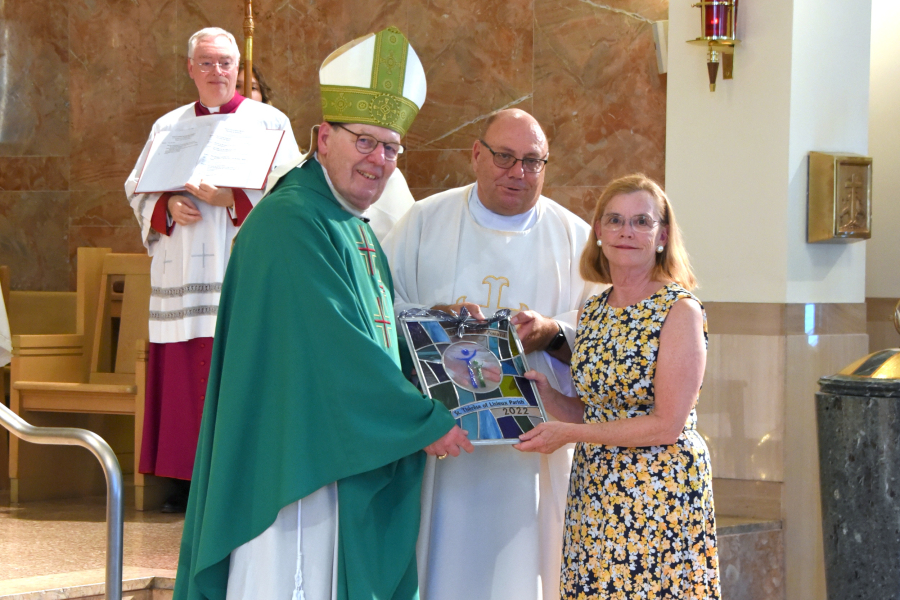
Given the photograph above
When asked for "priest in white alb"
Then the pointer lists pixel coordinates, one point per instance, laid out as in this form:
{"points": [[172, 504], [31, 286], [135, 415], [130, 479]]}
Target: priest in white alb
{"points": [[492, 521], [189, 234]]}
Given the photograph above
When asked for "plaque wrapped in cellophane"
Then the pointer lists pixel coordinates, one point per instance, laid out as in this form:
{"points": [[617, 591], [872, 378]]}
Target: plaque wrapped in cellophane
{"points": [[476, 369]]}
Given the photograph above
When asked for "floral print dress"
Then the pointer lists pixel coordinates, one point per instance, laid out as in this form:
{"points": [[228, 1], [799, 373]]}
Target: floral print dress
{"points": [[639, 521]]}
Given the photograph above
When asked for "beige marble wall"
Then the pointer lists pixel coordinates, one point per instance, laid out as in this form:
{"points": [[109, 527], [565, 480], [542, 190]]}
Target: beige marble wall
{"points": [[83, 81], [757, 413]]}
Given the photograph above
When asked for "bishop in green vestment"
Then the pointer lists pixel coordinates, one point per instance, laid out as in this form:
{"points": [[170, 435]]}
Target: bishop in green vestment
{"points": [[305, 388]]}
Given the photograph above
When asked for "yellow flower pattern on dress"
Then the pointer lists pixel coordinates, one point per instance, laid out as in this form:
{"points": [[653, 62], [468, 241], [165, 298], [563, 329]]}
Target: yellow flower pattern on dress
{"points": [[639, 521]]}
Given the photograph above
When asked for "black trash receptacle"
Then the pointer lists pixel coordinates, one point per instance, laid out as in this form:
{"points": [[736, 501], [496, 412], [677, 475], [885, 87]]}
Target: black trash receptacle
{"points": [[858, 413]]}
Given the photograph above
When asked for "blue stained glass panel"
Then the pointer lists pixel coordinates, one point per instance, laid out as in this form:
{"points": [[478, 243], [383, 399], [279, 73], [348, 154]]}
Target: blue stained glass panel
{"points": [[435, 330], [503, 346], [429, 343], [489, 430], [417, 334], [430, 378], [509, 427], [520, 364], [469, 422], [446, 393], [465, 396], [525, 423], [428, 353], [439, 371], [495, 393], [527, 390]]}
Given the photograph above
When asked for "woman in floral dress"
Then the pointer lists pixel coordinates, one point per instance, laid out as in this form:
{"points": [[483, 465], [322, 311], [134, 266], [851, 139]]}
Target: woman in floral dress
{"points": [[639, 518]]}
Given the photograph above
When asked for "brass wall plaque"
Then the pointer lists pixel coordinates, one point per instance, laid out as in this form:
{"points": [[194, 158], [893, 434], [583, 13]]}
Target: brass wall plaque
{"points": [[840, 198]]}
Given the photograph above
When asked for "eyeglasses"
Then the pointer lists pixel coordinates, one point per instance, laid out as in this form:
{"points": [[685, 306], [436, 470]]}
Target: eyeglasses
{"points": [[206, 66], [366, 144], [640, 223], [507, 161]]}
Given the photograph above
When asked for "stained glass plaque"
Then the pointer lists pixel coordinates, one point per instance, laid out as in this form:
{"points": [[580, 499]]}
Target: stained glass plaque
{"points": [[476, 369]]}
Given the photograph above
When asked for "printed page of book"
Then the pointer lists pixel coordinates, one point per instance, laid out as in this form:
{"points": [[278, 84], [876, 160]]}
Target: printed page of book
{"points": [[222, 153]]}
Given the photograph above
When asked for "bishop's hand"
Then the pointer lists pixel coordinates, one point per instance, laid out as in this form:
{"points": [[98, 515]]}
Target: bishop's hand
{"points": [[183, 211], [211, 194], [451, 443]]}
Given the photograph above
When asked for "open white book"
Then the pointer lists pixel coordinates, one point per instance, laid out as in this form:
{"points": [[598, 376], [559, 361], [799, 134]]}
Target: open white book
{"points": [[222, 153]]}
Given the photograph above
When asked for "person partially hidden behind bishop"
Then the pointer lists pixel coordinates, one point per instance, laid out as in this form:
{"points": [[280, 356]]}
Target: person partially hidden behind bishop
{"points": [[309, 467], [189, 236], [492, 521]]}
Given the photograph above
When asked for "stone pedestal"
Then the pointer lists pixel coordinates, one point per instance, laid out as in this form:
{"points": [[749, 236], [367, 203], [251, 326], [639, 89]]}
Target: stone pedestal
{"points": [[859, 462]]}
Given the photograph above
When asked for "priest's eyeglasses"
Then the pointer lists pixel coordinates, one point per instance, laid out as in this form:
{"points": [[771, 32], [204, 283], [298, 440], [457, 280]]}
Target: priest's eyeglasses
{"points": [[640, 223], [366, 144], [207, 66], [507, 161]]}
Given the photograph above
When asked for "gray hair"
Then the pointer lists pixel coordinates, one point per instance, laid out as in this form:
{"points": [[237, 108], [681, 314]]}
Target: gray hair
{"points": [[208, 33]]}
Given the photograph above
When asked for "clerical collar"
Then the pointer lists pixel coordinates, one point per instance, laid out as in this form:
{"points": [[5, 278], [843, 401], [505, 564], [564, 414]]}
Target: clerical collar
{"points": [[227, 108], [344, 204], [491, 220]]}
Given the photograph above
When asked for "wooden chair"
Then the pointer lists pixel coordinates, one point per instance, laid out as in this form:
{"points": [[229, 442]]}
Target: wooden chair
{"points": [[100, 370]]}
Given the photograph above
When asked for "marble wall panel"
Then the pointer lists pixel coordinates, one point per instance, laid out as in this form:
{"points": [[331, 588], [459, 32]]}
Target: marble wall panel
{"points": [[34, 58], [34, 173], [478, 57], [100, 209], [83, 81], [741, 406], [36, 262], [597, 90], [105, 76]]}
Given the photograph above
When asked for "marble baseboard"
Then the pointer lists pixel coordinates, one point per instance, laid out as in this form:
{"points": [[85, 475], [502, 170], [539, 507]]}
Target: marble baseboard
{"points": [[751, 564]]}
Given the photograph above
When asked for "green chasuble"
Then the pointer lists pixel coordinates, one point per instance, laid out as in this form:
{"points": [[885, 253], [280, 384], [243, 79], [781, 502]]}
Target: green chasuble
{"points": [[305, 389]]}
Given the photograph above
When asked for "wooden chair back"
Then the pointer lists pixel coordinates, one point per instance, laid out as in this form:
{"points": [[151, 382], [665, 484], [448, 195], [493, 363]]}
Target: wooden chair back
{"points": [[123, 315]]}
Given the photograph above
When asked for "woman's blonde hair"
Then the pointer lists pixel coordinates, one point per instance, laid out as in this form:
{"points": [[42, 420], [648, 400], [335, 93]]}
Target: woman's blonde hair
{"points": [[671, 264]]}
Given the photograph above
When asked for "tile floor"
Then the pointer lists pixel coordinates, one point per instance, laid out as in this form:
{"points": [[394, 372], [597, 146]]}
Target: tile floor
{"points": [[50, 538]]}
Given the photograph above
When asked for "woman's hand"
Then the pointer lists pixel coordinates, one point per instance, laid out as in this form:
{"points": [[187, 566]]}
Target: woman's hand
{"points": [[545, 438]]}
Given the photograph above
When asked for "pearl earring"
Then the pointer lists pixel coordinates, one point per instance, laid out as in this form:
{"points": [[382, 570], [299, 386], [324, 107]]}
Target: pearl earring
{"points": [[599, 243], [659, 249]]}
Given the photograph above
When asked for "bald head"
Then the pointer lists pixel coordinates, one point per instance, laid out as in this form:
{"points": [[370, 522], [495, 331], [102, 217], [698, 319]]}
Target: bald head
{"points": [[513, 190]]}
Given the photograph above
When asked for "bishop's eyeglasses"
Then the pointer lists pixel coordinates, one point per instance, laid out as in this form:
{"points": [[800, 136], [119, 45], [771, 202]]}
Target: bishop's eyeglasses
{"points": [[366, 144], [507, 161], [640, 223]]}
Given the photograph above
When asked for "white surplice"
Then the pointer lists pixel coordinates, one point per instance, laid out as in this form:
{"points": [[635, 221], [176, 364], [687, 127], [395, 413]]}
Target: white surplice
{"points": [[492, 521], [189, 265], [5, 338]]}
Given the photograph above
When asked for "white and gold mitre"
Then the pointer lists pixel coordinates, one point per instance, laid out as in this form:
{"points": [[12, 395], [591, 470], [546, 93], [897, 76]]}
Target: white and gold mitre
{"points": [[377, 79]]}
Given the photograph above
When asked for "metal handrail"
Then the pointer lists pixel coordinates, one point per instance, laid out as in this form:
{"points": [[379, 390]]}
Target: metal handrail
{"points": [[70, 436]]}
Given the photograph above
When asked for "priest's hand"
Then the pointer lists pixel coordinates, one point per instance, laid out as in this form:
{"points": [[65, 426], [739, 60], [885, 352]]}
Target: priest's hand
{"points": [[451, 443], [211, 194], [453, 309], [183, 211], [547, 437], [537, 331]]}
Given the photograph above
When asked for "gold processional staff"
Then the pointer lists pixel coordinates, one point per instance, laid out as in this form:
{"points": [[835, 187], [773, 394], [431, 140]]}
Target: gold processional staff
{"points": [[247, 90]]}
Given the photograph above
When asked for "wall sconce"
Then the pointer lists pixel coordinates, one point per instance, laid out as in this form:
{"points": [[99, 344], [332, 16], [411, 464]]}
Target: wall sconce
{"points": [[718, 19]]}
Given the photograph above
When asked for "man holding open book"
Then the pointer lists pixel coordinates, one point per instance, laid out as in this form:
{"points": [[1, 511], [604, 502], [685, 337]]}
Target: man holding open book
{"points": [[202, 170]]}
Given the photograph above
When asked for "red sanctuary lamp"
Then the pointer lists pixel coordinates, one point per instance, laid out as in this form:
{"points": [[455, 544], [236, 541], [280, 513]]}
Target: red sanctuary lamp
{"points": [[718, 20]]}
